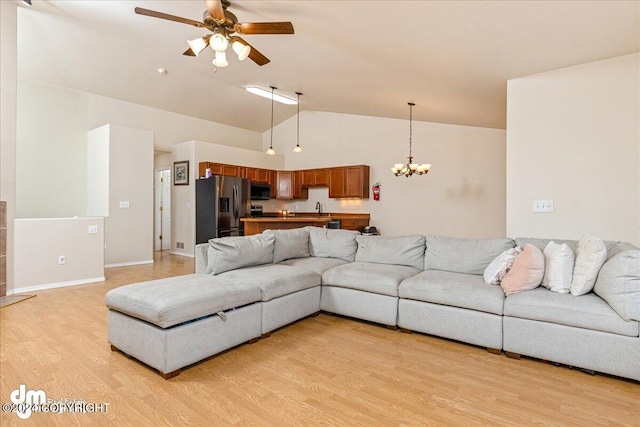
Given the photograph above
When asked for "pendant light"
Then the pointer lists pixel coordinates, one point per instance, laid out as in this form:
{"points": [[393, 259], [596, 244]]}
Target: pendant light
{"points": [[271, 151], [400, 169], [298, 149]]}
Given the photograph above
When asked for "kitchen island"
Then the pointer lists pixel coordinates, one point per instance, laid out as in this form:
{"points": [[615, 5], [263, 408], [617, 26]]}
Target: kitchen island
{"points": [[347, 221]]}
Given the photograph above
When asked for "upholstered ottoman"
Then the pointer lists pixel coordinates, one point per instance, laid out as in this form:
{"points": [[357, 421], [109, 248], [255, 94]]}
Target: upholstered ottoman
{"points": [[171, 323]]}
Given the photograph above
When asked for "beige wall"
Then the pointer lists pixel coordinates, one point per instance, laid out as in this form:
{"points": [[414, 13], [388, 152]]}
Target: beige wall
{"points": [[39, 243], [573, 136], [8, 100], [463, 195]]}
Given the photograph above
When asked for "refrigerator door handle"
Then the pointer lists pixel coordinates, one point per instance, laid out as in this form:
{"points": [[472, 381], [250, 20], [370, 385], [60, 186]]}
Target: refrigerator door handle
{"points": [[236, 206]]}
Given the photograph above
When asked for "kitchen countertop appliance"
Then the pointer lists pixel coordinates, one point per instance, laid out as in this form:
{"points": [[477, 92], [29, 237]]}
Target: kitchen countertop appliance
{"points": [[256, 211]]}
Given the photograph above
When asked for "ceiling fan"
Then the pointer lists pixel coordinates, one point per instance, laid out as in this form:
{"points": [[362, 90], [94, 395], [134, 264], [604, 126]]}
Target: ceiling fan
{"points": [[224, 26]]}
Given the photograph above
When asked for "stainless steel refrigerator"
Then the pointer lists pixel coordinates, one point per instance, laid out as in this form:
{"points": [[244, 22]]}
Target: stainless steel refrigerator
{"points": [[220, 203]]}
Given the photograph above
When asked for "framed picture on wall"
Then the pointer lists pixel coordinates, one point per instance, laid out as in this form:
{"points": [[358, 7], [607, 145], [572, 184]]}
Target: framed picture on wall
{"points": [[181, 173]]}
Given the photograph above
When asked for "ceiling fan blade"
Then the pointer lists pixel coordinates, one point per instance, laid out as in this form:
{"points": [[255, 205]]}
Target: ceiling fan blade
{"points": [[189, 52], [161, 15], [264, 28], [258, 57], [214, 7]]}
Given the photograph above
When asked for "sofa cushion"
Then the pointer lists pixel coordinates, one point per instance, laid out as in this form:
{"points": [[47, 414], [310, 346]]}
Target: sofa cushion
{"points": [[332, 243], [619, 284], [289, 244], [453, 289], [228, 253], [319, 265], [559, 260], [274, 280], [367, 276], [590, 256], [526, 273], [174, 300], [586, 311], [402, 250], [462, 255], [500, 266]]}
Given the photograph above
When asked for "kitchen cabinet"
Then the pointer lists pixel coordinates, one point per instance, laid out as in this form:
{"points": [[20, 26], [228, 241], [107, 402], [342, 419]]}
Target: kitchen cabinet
{"points": [[314, 177], [289, 186], [299, 192], [273, 182], [349, 181]]}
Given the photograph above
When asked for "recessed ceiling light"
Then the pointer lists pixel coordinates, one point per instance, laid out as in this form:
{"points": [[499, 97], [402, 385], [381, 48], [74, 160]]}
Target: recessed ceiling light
{"points": [[267, 94]]}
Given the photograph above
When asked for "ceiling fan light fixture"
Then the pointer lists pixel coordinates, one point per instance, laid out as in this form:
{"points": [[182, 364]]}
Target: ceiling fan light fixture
{"points": [[197, 45], [218, 42], [241, 49], [267, 94], [220, 60]]}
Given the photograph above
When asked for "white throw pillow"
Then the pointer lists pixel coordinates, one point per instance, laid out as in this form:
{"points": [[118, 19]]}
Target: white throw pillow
{"points": [[495, 272], [590, 256], [558, 270]]}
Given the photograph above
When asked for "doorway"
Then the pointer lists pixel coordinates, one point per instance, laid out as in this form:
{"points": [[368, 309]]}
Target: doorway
{"points": [[163, 210]]}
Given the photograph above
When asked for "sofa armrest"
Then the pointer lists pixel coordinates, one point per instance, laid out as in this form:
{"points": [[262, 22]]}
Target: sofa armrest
{"points": [[201, 258]]}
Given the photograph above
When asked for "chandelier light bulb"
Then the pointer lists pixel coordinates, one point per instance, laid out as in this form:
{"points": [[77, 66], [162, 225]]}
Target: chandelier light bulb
{"points": [[220, 60], [197, 45], [242, 50], [218, 42]]}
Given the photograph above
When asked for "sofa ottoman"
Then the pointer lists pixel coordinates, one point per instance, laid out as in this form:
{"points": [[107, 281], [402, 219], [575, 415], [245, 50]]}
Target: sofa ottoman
{"points": [[171, 323]]}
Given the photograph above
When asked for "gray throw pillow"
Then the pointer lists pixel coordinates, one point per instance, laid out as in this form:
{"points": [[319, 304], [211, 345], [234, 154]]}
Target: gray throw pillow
{"points": [[289, 244], [402, 250], [229, 253], [618, 284]]}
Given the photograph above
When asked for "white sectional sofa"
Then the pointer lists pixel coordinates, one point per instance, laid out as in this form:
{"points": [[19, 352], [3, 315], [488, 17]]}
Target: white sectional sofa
{"points": [[246, 287]]}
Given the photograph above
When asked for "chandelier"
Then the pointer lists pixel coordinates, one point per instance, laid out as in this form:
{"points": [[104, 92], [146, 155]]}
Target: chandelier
{"points": [[400, 169], [219, 42]]}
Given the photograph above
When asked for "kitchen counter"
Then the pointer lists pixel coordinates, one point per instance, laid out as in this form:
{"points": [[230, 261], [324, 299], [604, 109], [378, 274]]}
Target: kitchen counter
{"points": [[258, 225], [347, 221]]}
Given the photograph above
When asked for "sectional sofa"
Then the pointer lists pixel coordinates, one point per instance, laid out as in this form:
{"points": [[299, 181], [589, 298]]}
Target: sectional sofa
{"points": [[246, 287]]}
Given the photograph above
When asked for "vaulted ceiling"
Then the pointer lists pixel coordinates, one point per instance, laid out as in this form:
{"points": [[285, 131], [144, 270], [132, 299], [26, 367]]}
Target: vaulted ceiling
{"points": [[452, 58]]}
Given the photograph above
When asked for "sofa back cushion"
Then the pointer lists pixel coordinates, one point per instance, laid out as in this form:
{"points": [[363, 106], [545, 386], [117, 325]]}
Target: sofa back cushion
{"points": [[402, 250], [618, 284], [229, 253], [333, 243], [613, 247], [462, 255], [289, 244]]}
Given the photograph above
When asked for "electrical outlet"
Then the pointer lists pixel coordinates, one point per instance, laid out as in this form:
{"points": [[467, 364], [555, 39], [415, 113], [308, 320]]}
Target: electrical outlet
{"points": [[62, 260], [124, 205], [93, 229], [543, 206]]}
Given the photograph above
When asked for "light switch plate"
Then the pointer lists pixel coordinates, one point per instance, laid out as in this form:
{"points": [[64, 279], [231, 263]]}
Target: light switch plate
{"points": [[124, 205], [93, 229], [543, 206]]}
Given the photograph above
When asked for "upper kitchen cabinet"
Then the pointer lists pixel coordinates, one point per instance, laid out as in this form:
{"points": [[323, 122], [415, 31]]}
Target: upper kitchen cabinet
{"points": [[314, 177], [289, 186], [349, 181]]}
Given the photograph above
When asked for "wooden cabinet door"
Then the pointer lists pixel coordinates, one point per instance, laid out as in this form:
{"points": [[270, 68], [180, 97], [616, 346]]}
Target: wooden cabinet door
{"points": [[336, 183], [251, 173], [284, 185], [230, 170], [308, 177], [299, 192], [356, 181], [216, 168], [262, 175], [320, 177]]}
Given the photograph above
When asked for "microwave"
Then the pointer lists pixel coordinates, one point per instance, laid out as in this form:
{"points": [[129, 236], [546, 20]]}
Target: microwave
{"points": [[260, 191]]}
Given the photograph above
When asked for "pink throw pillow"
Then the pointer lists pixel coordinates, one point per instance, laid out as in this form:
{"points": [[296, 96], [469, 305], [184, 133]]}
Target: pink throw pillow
{"points": [[526, 273]]}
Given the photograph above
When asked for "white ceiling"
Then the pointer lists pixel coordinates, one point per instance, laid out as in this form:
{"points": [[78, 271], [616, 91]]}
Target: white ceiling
{"points": [[452, 58]]}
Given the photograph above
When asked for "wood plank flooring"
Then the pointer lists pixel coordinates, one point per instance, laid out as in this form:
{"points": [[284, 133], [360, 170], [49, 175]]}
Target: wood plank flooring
{"points": [[325, 370]]}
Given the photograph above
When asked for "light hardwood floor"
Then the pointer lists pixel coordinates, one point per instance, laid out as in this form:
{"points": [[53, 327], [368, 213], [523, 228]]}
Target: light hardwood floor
{"points": [[325, 370]]}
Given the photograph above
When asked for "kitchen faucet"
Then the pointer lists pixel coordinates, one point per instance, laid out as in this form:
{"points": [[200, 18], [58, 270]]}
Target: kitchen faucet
{"points": [[319, 208]]}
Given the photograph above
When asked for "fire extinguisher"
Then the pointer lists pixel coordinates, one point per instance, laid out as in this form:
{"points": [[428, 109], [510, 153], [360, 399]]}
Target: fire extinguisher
{"points": [[376, 191]]}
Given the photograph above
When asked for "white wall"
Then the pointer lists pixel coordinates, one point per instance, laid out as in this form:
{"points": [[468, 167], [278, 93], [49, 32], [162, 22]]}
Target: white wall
{"points": [[573, 136], [8, 128], [129, 172], [463, 195], [39, 243], [183, 196]]}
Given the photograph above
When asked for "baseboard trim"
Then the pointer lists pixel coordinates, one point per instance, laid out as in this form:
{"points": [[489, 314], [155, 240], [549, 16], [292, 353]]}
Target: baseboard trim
{"points": [[182, 254], [128, 264], [55, 285]]}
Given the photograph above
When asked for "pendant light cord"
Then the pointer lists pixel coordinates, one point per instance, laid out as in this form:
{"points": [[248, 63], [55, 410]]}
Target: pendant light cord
{"points": [[411, 104], [272, 89], [298, 132]]}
